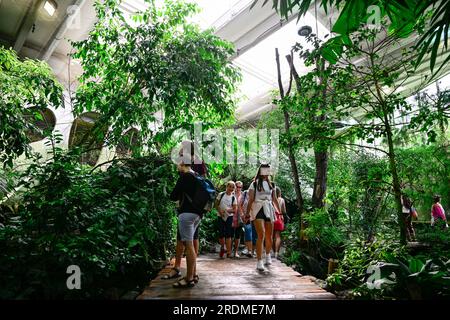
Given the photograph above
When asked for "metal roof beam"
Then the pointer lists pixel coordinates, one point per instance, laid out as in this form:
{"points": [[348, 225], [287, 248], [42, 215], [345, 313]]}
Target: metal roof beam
{"points": [[72, 12], [27, 24]]}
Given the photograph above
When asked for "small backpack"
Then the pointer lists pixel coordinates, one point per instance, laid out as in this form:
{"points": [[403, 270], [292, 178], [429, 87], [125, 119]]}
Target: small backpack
{"points": [[221, 196], [205, 194]]}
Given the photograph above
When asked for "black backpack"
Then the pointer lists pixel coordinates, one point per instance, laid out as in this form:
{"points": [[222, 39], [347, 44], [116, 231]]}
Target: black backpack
{"points": [[205, 194]]}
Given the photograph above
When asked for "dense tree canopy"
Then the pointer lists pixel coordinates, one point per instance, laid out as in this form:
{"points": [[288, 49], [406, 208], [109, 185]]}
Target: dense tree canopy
{"points": [[23, 84], [157, 72]]}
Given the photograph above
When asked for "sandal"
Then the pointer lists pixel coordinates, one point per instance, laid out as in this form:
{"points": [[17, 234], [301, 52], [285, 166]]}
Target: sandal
{"points": [[183, 283], [196, 278], [172, 275]]}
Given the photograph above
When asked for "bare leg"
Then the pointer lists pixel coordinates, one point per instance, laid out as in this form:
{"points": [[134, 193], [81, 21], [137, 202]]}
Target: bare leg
{"points": [[196, 248], [191, 260], [249, 244], [178, 254], [268, 226], [259, 226], [228, 243], [236, 244], [175, 271], [277, 241]]}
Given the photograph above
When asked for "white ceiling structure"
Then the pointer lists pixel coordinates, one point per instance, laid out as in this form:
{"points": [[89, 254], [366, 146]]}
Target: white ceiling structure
{"points": [[35, 31]]}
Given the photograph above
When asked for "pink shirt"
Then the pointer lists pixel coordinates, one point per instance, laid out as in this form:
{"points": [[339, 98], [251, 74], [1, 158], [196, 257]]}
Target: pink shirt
{"points": [[437, 211]]}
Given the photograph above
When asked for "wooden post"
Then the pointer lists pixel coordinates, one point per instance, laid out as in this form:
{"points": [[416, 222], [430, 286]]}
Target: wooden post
{"points": [[332, 265]]}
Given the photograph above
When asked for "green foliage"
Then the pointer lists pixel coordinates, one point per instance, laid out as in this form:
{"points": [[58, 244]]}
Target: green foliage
{"points": [[358, 256], [425, 171], [433, 114], [23, 84], [370, 193], [325, 229], [116, 225], [309, 256], [358, 198], [403, 17], [437, 239], [160, 64], [295, 256], [209, 233], [410, 278], [323, 97]]}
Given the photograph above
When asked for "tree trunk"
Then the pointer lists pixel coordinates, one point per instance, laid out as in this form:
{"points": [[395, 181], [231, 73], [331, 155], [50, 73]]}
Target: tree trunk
{"points": [[290, 149], [396, 183], [391, 154], [320, 156], [320, 181], [294, 169], [392, 165]]}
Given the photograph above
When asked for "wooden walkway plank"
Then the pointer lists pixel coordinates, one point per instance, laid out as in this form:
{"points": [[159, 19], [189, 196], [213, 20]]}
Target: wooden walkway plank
{"points": [[238, 279]]}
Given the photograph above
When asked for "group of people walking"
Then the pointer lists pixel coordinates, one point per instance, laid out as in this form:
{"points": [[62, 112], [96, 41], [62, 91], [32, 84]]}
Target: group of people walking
{"points": [[410, 213], [258, 211]]}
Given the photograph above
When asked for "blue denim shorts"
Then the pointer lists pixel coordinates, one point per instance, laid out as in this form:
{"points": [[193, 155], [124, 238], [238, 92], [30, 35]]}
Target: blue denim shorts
{"points": [[250, 232]]}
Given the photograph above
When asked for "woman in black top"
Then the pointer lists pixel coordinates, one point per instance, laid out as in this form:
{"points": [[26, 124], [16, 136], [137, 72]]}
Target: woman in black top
{"points": [[188, 220]]}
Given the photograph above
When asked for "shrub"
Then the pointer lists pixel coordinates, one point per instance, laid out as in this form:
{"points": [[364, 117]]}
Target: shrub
{"points": [[409, 278], [209, 232], [115, 225], [358, 256]]}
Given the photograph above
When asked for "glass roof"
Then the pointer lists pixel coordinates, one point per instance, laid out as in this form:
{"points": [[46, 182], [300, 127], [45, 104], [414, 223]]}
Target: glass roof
{"points": [[257, 64]]}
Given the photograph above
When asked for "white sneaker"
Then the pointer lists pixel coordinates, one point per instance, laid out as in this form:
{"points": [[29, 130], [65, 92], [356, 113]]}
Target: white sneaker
{"points": [[260, 265], [245, 251], [276, 255], [268, 259]]}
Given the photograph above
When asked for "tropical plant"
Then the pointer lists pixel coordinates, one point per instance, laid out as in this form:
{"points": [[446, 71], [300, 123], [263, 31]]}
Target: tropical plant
{"points": [[116, 226], [410, 278], [424, 171], [433, 114], [358, 256], [23, 85], [327, 231], [370, 99], [403, 17], [157, 72]]}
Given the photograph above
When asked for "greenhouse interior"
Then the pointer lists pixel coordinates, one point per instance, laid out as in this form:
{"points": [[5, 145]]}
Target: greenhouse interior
{"points": [[224, 150]]}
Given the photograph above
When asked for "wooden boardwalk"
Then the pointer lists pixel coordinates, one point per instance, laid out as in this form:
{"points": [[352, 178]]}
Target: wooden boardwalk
{"points": [[238, 279]]}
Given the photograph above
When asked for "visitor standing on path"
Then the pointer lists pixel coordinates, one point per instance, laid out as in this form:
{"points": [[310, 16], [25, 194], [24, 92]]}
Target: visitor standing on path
{"points": [[226, 206], [278, 225], [262, 205], [408, 211], [201, 170], [238, 219], [437, 211], [188, 220], [249, 227]]}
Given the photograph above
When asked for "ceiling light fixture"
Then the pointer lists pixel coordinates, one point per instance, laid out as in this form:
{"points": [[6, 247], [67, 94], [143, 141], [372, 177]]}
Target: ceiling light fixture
{"points": [[304, 31], [50, 6]]}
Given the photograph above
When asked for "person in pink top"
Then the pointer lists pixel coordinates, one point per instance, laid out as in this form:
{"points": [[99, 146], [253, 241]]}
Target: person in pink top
{"points": [[437, 211]]}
